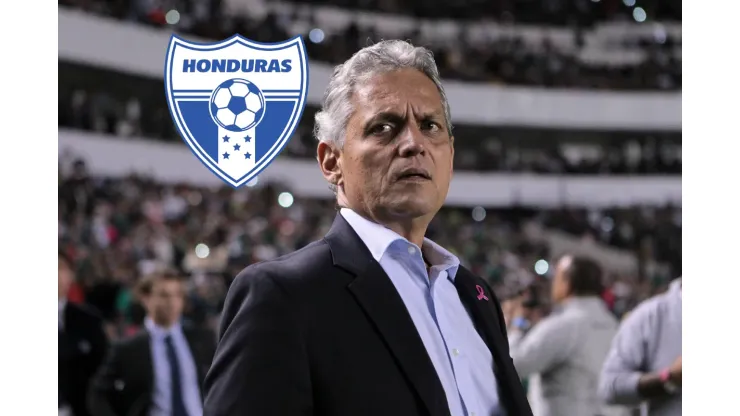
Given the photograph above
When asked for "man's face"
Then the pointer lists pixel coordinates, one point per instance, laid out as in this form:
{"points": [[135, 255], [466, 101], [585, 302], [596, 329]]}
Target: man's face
{"points": [[397, 157], [166, 302], [66, 277]]}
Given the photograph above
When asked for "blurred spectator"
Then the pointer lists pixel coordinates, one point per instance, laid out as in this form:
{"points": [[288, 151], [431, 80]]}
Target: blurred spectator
{"points": [[82, 344], [644, 363], [135, 226], [76, 191], [567, 348], [158, 371]]}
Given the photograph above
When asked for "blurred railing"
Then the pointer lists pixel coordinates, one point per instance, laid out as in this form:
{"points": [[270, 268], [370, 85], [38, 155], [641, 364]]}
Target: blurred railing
{"points": [[108, 155]]}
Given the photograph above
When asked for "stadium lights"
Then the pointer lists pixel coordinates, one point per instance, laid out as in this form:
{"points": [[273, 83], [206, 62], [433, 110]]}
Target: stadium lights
{"points": [[639, 14], [285, 200], [316, 35], [172, 17], [541, 267], [202, 251], [479, 214]]}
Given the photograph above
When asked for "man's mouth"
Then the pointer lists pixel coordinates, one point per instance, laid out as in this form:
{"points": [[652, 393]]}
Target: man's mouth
{"points": [[414, 174]]}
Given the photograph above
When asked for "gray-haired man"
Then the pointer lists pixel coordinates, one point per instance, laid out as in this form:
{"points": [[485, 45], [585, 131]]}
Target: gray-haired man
{"points": [[374, 319]]}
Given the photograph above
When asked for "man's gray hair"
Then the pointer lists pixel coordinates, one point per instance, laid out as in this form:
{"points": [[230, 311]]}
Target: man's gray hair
{"points": [[382, 57]]}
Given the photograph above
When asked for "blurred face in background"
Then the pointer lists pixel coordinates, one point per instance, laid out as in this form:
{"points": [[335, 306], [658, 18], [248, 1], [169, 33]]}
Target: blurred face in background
{"points": [[560, 283], [397, 158], [79, 170], [166, 301], [66, 277], [534, 313]]}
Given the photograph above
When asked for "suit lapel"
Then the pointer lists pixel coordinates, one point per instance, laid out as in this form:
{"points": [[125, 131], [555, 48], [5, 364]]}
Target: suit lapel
{"points": [[378, 297], [484, 314]]}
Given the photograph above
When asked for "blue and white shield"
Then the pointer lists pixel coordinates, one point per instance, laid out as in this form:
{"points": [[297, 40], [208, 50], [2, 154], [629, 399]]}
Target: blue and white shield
{"points": [[237, 102]]}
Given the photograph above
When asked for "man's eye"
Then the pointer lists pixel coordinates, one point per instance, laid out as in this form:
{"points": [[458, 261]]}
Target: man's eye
{"points": [[432, 126], [381, 129]]}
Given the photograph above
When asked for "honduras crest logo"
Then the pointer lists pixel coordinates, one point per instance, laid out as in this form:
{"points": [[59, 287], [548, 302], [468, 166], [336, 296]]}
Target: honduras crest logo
{"points": [[236, 102]]}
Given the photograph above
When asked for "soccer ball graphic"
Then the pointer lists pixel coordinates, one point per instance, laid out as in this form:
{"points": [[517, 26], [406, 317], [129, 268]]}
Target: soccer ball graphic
{"points": [[237, 105]]}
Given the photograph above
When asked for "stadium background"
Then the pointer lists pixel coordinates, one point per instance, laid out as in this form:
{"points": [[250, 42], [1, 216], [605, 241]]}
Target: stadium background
{"points": [[568, 139]]}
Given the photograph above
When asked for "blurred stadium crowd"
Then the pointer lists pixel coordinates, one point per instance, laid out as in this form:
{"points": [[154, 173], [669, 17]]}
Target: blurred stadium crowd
{"points": [[505, 58], [118, 229], [552, 12]]}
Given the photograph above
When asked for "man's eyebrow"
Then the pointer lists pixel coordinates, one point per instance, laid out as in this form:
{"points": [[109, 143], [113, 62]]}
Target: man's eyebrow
{"points": [[432, 114], [394, 116], [384, 116]]}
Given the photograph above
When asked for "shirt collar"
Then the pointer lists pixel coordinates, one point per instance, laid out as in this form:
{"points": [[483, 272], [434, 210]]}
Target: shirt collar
{"points": [[378, 239], [158, 332], [583, 302]]}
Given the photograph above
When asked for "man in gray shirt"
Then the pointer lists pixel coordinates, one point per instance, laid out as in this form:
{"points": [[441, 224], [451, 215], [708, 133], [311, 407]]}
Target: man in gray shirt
{"points": [[644, 363], [566, 350]]}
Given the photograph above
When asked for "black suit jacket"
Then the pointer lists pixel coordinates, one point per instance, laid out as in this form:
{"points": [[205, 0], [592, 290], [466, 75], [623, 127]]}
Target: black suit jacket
{"points": [[82, 346], [125, 383], [323, 331]]}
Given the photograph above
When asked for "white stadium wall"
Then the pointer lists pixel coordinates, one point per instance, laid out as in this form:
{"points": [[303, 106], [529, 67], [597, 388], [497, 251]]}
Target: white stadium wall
{"points": [[174, 162]]}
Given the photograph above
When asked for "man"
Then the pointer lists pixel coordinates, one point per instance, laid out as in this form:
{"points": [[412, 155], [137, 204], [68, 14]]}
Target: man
{"points": [[566, 349], [374, 319], [644, 363], [160, 370], [82, 344]]}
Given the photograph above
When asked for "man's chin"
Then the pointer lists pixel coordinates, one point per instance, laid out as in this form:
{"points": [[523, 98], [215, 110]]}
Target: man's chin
{"points": [[412, 207]]}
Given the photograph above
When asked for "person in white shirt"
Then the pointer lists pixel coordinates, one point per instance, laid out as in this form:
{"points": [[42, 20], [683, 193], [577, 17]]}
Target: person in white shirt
{"points": [[644, 363]]}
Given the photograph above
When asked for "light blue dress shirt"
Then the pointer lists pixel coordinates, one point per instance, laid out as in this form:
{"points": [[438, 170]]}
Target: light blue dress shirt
{"points": [[461, 358], [162, 395]]}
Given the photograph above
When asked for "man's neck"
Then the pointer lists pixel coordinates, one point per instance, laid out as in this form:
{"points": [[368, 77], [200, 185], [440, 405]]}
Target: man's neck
{"points": [[412, 229], [408, 230], [578, 298], [166, 326]]}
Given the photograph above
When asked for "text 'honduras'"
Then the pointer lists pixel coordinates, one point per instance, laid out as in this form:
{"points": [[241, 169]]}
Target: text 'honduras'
{"points": [[236, 65]]}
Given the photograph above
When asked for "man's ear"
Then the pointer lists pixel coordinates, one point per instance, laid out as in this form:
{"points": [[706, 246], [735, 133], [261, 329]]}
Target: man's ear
{"points": [[331, 166]]}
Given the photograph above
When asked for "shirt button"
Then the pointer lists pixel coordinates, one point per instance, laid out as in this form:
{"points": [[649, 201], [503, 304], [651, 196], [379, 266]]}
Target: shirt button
{"points": [[472, 413], [412, 250], [455, 352]]}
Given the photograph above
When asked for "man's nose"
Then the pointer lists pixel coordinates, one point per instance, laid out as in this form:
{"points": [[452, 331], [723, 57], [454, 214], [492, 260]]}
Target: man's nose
{"points": [[411, 141]]}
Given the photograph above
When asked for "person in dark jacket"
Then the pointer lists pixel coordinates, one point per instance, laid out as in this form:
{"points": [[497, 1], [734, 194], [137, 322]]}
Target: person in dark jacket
{"points": [[160, 370], [82, 344]]}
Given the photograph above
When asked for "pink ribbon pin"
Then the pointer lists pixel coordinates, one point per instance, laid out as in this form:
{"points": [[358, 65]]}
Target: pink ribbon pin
{"points": [[481, 293]]}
